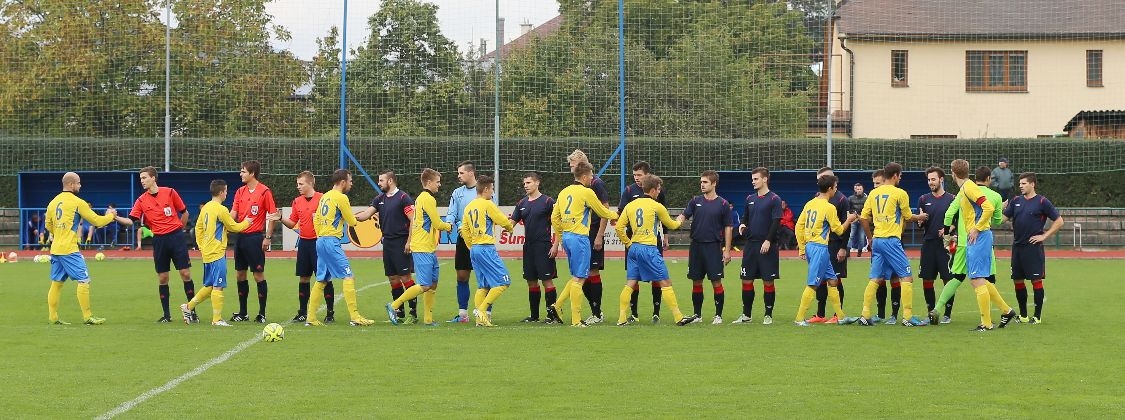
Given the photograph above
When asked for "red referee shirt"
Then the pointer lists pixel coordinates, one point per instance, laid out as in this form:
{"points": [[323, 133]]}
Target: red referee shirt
{"points": [[302, 215], [161, 211], [253, 206]]}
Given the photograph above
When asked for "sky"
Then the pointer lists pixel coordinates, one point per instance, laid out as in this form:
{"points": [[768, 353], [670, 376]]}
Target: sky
{"points": [[462, 21]]}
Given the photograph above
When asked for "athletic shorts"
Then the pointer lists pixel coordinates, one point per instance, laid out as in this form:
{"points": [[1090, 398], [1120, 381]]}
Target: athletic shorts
{"points": [[171, 249], [396, 262], [978, 256], [491, 271], [935, 260], [426, 268], [577, 248], [756, 265], [888, 257], [306, 257], [69, 266], [645, 263], [461, 259], [705, 258], [840, 267], [248, 252], [820, 264], [1028, 262], [537, 262], [597, 256], [331, 263], [215, 273], [957, 263]]}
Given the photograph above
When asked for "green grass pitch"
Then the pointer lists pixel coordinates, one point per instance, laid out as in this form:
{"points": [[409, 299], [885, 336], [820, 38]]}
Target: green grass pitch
{"points": [[1069, 366]]}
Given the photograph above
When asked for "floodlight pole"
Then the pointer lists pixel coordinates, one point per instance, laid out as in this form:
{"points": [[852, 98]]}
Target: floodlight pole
{"points": [[621, 85], [828, 97], [496, 114], [344, 90], [167, 85]]}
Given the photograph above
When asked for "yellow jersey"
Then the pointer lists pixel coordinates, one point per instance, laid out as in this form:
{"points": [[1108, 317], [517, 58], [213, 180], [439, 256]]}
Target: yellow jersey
{"points": [[976, 208], [478, 220], [573, 207], [818, 218], [64, 215], [888, 208], [334, 211], [211, 230], [427, 223], [644, 216]]}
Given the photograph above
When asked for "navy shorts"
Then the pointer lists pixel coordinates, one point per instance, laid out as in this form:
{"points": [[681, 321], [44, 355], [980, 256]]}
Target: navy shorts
{"points": [[170, 249], [597, 256], [705, 259], [1028, 262], [461, 259], [396, 262], [840, 267], [306, 257], [248, 252], [935, 260], [756, 265], [537, 263]]}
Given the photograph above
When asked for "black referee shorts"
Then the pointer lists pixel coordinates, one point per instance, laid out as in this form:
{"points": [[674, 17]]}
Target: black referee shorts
{"points": [[396, 262], [1028, 262], [597, 256], [840, 267], [461, 259], [705, 258], [306, 257], [756, 265], [170, 249], [248, 252], [537, 262], [935, 260]]}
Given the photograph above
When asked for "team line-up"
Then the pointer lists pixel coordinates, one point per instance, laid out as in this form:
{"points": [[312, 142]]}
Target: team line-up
{"points": [[576, 222]]}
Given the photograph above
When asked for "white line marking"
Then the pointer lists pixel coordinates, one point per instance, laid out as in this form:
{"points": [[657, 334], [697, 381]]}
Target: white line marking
{"points": [[128, 405]]}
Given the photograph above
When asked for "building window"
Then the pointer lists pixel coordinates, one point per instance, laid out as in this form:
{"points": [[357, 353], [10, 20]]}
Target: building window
{"points": [[996, 71], [1094, 68], [898, 68]]}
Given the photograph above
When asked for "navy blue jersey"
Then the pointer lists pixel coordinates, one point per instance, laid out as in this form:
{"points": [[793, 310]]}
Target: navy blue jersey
{"points": [[1028, 216], [708, 218], [761, 215], [603, 195], [395, 212], [536, 217], [935, 206], [840, 202]]}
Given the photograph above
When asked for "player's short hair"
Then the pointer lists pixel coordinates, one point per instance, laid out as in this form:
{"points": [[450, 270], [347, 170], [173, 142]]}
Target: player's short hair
{"points": [[577, 156], [761, 171], [643, 167], [150, 170], [960, 168], [826, 182], [582, 169], [390, 176], [1030, 177], [858, 184], [534, 176], [484, 182], [932, 169], [468, 165], [340, 175], [429, 174], [891, 170], [711, 175], [253, 167], [650, 181], [823, 170], [217, 187], [878, 174], [307, 176], [982, 173]]}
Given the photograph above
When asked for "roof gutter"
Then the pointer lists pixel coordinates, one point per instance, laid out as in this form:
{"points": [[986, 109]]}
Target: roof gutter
{"points": [[851, 85]]}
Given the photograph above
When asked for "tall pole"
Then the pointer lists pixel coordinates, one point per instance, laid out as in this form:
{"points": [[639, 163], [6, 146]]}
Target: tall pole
{"points": [[344, 90], [496, 106], [828, 102], [167, 85], [621, 84]]}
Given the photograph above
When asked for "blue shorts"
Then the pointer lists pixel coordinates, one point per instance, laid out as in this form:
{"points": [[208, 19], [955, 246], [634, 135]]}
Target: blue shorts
{"points": [[645, 264], [820, 264], [215, 273], [426, 268], [491, 271], [577, 249], [70, 266], [978, 256], [888, 258], [331, 263]]}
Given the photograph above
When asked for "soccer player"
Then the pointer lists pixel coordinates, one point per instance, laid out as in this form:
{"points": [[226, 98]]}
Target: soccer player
{"points": [[478, 230], [837, 252], [467, 174], [977, 211], [300, 220], [394, 210], [252, 202], [593, 287], [534, 211], [633, 192], [644, 217], [159, 207], [64, 213], [572, 223], [711, 237], [877, 179], [935, 256], [760, 220], [423, 242], [957, 264], [886, 210], [211, 229], [1028, 211], [818, 221], [332, 218]]}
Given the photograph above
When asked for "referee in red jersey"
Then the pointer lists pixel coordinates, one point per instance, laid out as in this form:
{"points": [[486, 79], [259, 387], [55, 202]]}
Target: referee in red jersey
{"points": [[252, 202], [164, 212]]}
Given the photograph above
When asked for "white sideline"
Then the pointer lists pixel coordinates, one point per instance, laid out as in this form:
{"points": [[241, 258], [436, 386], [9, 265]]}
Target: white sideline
{"points": [[128, 405]]}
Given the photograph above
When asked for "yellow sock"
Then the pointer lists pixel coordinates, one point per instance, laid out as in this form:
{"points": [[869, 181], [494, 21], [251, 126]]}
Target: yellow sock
{"points": [[868, 297], [982, 303], [806, 299], [907, 288], [408, 294], [428, 299], [200, 296], [84, 300], [834, 299], [623, 300], [315, 296], [576, 297], [563, 295], [349, 298], [493, 294], [216, 304], [53, 300], [478, 298], [668, 296], [994, 297]]}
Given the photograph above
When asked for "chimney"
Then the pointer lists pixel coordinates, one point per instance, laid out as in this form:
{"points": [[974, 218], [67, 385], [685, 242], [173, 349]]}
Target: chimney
{"points": [[500, 31], [525, 27]]}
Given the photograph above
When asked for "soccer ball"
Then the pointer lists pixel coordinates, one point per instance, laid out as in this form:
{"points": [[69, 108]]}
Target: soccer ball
{"points": [[39, 258], [12, 257], [273, 332], [99, 256]]}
